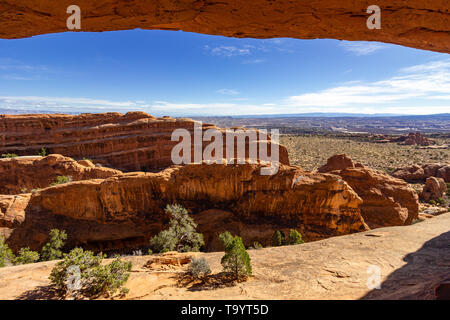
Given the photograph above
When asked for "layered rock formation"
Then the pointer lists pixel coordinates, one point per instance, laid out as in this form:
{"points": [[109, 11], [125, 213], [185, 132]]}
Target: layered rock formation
{"points": [[23, 174], [387, 201], [126, 210], [135, 141], [434, 189], [422, 172], [420, 24]]}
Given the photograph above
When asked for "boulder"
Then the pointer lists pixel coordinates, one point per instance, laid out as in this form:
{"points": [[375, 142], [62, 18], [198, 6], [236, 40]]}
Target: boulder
{"points": [[417, 172], [434, 189], [387, 201]]}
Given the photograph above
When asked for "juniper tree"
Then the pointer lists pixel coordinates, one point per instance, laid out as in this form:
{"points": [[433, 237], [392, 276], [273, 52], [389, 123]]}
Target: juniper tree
{"points": [[278, 238], [181, 234], [294, 237], [25, 256], [52, 249], [236, 259], [6, 254]]}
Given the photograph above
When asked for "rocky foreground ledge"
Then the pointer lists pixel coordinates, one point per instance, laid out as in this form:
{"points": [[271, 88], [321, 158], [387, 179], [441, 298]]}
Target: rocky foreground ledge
{"points": [[413, 261]]}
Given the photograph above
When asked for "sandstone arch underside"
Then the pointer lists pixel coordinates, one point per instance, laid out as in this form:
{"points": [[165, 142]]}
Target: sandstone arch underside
{"points": [[422, 24]]}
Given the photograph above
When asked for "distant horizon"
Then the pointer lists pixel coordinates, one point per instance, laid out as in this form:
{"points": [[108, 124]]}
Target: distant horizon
{"points": [[275, 115]]}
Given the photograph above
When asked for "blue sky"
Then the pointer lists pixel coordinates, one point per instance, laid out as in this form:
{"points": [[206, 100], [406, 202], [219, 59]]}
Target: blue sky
{"points": [[182, 74]]}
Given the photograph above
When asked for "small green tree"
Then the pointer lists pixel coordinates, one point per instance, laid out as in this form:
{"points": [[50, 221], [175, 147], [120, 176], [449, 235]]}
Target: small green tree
{"points": [[81, 272], [278, 238], [42, 152], [6, 254], [60, 180], [25, 256], [52, 249], [294, 237], [236, 259], [180, 235], [226, 238], [199, 268]]}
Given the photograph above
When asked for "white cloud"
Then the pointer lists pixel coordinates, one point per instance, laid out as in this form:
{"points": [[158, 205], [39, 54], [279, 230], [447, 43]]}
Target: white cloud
{"points": [[66, 104], [228, 51], [420, 89], [429, 81], [361, 48], [229, 92]]}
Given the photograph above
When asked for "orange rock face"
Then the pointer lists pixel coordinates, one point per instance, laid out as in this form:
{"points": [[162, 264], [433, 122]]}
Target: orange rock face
{"points": [[23, 174], [387, 201], [126, 210], [420, 24], [135, 141]]}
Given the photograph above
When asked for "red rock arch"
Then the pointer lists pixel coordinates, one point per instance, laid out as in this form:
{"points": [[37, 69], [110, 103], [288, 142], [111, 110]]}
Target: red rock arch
{"points": [[422, 24]]}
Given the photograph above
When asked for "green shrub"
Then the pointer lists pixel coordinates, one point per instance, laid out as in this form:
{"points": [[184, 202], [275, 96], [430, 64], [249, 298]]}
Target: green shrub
{"points": [[60, 180], [236, 259], [226, 238], [52, 249], [294, 237], [278, 238], [6, 254], [81, 272], [199, 268], [256, 245], [9, 155], [42, 152], [180, 235], [26, 256]]}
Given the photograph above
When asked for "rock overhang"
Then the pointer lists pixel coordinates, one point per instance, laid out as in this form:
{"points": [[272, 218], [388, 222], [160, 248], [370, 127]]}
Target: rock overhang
{"points": [[419, 23]]}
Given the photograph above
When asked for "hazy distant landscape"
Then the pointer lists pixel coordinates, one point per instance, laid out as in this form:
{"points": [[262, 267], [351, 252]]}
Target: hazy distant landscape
{"points": [[315, 123]]}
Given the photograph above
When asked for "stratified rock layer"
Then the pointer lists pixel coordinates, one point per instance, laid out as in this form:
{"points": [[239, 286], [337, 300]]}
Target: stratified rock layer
{"points": [[23, 174], [387, 201], [417, 23], [126, 210], [135, 141]]}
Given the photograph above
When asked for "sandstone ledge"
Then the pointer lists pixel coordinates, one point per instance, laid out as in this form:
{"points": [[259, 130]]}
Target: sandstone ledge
{"points": [[413, 260]]}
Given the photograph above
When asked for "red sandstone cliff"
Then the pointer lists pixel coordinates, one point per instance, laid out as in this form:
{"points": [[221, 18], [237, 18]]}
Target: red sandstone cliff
{"points": [[125, 210], [387, 201], [135, 141], [23, 174], [421, 24]]}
